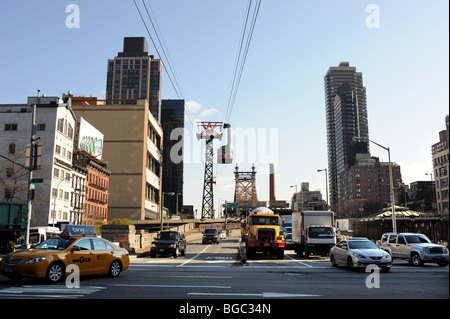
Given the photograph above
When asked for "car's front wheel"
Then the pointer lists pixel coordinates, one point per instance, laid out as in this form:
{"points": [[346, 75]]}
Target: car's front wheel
{"points": [[350, 263], [416, 260], [115, 269], [55, 272], [333, 261]]}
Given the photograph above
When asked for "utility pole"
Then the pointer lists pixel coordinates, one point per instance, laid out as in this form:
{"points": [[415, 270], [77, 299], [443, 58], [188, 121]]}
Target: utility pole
{"points": [[30, 169]]}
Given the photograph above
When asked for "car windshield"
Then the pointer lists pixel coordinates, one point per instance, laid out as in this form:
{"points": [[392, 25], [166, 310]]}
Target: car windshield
{"points": [[211, 231], [266, 220], [56, 243], [362, 244], [417, 239], [167, 236], [321, 232]]}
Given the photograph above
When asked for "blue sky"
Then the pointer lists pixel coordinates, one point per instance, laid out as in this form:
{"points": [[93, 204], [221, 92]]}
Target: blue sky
{"points": [[404, 64]]}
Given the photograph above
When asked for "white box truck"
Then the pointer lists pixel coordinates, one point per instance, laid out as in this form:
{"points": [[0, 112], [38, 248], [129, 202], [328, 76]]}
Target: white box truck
{"points": [[313, 232]]}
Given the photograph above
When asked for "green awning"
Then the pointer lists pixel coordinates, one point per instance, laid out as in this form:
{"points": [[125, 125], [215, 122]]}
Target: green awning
{"points": [[399, 212]]}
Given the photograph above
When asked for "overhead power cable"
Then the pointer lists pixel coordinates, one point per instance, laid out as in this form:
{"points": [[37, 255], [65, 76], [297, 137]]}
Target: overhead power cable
{"points": [[164, 58], [242, 56]]}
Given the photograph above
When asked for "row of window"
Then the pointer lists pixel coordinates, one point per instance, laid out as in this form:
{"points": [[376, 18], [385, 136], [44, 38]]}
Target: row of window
{"points": [[97, 180], [63, 152], [151, 193], [14, 126], [65, 128]]}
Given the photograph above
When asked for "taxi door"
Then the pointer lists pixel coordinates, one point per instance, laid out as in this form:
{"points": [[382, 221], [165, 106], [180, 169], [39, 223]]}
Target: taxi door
{"points": [[103, 255], [81, 255]]}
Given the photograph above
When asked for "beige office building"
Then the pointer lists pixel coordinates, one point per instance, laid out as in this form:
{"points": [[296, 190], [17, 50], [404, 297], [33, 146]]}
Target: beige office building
{"points": [[133, 150]]}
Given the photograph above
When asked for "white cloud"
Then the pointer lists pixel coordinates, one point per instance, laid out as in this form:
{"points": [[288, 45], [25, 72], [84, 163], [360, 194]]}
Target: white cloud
{"points": [[193, 106], [208, 112]]}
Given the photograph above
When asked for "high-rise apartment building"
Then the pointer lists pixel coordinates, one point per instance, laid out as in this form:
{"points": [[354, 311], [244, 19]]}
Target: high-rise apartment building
{"points": [[346, 119], [134, 74], [368, 179], [172, 122]]}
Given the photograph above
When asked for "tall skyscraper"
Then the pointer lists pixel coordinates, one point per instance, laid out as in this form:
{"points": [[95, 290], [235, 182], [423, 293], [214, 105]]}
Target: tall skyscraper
{"points": [[346, 113], [172, 118], [134, 74]]}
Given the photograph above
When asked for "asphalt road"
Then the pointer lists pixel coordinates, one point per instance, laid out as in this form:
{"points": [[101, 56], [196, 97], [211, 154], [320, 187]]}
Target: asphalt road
{"points": [[210, 272]]}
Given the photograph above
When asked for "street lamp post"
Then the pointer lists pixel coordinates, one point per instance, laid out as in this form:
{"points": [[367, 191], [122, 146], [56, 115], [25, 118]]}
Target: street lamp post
{"points": [[162, 207], [326, 183], [391, 182]]}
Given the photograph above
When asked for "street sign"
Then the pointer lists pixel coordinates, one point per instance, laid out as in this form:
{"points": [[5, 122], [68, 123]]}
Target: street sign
{"points": [[37, 180], [232, 205]]}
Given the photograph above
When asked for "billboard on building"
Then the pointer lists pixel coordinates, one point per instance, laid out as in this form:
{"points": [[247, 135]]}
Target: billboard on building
{"points": [[90, 139]]}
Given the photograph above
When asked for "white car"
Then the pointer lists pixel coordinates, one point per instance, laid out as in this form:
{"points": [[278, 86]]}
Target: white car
{"points": [[359, 253]]}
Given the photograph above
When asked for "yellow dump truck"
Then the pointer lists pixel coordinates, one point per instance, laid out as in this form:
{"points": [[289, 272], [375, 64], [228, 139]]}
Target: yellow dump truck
{"points": [[264, 233]]}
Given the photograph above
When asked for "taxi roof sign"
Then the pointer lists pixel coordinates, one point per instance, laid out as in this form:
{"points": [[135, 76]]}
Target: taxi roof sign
{"points": [[79, 230]]}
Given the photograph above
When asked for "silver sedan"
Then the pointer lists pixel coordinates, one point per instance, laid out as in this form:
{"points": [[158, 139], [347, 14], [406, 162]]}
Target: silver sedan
{"points": [[359, 253]]}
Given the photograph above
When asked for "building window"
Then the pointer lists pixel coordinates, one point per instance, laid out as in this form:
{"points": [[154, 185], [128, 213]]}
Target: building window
{"points": [[10, 127], [12, 148], [60, 126]]}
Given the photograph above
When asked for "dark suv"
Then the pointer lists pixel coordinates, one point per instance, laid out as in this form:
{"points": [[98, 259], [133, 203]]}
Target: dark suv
{"points": [[211, 235], [169, 243]]}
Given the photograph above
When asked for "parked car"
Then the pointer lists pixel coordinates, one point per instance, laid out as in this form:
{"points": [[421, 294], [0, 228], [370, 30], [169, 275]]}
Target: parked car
{"points": [[77, 244], [169, 243], [211, 235], [222, 234], [416, 248], [359, 253]]}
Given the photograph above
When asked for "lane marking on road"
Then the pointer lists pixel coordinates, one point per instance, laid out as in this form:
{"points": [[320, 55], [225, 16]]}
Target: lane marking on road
{"points": [[171, 286], [298, 261], [25, 292], [209, 277], [189, 260]]}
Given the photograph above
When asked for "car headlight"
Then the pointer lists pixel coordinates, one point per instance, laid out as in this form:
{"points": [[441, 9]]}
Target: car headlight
{"points": [[36, 260], [426, 250], [358, 255], [445, 250], [173, 245]]}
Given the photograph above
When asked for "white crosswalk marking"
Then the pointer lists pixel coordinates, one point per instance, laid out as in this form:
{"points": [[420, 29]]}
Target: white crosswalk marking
{"points": [[47, 292]]}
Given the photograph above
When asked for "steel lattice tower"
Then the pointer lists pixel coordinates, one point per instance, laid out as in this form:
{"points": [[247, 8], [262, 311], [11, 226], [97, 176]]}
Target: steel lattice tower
{"points": [[245, 190], [209, 131]]}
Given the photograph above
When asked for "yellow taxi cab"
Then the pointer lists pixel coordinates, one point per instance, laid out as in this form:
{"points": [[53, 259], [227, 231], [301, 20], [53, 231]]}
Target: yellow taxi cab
{"points": [[77, 245]]}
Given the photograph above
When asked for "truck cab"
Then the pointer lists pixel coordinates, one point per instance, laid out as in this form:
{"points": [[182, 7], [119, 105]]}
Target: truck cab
{"points": [[264, 233]]}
